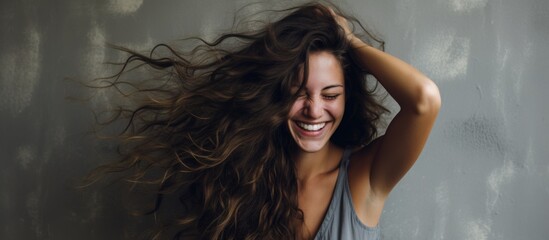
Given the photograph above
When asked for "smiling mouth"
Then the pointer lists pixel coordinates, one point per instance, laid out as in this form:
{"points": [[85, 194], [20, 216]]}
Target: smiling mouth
{"points": [[311, 127]]}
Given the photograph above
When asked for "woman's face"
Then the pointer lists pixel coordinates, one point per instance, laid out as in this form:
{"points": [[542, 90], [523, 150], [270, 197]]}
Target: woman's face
{"points": [[317, 112]]}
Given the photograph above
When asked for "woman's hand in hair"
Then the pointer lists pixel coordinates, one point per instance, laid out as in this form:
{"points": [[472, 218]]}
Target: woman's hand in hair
{"points": [[344, 24]]}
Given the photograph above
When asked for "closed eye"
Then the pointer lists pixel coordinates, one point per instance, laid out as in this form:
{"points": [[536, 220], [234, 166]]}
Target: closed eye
{"points": [[331, 97], [301, 95]]}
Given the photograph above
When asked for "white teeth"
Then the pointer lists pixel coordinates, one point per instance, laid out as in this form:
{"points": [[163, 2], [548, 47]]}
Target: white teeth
{"points": [[311, 127]]}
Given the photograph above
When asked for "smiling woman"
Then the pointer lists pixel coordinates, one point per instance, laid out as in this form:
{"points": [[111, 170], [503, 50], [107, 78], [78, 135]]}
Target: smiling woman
{"points": [[316, 114], [274, 138]]}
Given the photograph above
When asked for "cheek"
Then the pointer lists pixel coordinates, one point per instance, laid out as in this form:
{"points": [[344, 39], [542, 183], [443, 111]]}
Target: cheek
{"points": [[338, 108], [295, 108]]}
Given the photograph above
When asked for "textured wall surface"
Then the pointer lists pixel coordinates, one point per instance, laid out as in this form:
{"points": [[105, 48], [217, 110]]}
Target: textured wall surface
{"points": [[483, 175]]}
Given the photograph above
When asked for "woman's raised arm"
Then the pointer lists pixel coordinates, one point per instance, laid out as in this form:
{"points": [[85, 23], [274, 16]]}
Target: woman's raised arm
{"points": [[405, 137]]}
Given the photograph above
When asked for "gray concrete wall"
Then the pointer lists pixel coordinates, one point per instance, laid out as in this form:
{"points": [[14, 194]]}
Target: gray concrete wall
{"points": [[484, 173]]}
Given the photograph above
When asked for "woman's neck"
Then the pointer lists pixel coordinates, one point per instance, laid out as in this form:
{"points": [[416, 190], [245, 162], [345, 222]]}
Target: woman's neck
{"points": [[312, 164]]}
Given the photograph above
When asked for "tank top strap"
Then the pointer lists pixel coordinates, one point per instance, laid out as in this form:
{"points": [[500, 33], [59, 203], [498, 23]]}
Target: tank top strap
{"points": [[341, 221], [346, 157]]}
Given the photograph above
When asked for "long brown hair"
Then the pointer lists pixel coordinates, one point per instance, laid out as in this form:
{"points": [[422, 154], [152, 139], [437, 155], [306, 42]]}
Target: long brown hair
{"points": [[214, 132]]}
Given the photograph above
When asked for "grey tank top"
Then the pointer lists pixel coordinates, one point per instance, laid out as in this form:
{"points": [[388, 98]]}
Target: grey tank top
{"points": [[341, 221]]}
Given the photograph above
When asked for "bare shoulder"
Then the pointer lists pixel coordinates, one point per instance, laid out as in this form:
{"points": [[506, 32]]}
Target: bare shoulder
{"points": [[360, 164], [362, 156]]}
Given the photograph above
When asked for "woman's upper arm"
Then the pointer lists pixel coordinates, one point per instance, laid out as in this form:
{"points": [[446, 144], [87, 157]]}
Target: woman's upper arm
{"points": [[403, 142]]}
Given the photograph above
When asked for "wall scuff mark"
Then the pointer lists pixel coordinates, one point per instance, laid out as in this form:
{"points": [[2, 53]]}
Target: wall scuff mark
{"points": [[19, 73], [444, 56], [124, 7]]}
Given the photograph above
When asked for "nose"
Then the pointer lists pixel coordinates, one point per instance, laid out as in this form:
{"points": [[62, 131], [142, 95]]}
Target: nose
{"points": [[313, 108]]}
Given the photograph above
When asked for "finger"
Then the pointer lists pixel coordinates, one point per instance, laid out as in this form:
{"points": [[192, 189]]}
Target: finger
{"points": [[335, 15], [332, 12]]}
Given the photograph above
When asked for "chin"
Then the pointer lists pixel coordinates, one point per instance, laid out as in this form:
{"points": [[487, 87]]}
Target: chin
{"points": [[310, 148]]}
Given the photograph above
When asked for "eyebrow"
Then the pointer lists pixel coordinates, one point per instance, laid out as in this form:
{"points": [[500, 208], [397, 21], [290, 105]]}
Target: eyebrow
{"points": [[332, 86], [325, 88]]}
